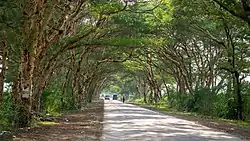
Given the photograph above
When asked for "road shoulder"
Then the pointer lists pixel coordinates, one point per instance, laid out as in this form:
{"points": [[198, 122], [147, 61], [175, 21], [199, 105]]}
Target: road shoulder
{"points": [[82, 125]]}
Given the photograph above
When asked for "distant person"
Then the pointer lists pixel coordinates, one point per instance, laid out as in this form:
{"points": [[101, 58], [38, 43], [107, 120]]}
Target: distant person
{"points": [[123, 99]]}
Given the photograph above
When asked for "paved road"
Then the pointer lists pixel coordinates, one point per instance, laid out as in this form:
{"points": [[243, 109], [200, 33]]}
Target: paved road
{"points": [[126, 122]]}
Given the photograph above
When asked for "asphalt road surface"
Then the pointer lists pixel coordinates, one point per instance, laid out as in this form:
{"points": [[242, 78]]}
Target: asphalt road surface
{"points": [[126, 122]]}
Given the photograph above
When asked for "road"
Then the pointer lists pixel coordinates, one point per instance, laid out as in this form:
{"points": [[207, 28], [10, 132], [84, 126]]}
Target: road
{"points": [[126, 122]]}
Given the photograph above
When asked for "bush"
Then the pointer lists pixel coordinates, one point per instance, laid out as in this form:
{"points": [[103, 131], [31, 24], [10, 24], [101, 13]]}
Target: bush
{"points": [[51, 102], [8, 113], [163, 102], [246, 100], [220, 106], [181, 101], [139, 101], [204, 99]]}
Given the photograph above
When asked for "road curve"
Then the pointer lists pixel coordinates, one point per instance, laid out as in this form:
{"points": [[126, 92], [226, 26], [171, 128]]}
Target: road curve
{"points": [[126, 122]]}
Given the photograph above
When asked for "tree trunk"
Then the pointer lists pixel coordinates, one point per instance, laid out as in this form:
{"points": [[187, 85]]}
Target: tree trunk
{"points": [[165, 84], [144, 97], [3, 54], [76, 78], [144, 92], [15, 90], [26, 88], [79, 95], [36, 102], [156, 94], [239, 97]]}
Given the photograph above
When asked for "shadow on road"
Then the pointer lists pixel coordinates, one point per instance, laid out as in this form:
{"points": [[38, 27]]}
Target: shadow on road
{"points": [[129, 122]]}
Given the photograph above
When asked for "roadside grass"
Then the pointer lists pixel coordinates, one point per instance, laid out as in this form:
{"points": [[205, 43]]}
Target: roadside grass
{"points": [[47, 123]]}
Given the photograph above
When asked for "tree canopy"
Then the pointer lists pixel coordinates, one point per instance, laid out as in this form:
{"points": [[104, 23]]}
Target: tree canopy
{"points": [[59, 55]]}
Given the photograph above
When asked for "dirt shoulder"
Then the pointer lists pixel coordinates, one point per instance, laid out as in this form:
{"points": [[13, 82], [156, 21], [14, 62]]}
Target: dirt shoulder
{"points": [[84, 125], [241, 131]]}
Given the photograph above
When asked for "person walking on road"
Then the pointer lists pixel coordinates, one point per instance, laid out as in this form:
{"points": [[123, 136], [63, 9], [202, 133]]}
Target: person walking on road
{"points": [[123, 99]]}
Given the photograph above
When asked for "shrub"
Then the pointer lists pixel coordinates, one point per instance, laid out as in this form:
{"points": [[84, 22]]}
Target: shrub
{"points": [[220, 106], [51, 102], [139, 101], [8, 113], [204, 99]]}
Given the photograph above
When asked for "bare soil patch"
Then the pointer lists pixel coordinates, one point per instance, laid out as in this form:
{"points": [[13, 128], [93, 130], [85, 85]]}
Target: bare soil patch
{"points": [[83, 125]]}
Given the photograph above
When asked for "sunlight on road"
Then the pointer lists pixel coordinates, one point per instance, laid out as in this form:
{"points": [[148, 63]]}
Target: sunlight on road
{"points": [[126, 122]]}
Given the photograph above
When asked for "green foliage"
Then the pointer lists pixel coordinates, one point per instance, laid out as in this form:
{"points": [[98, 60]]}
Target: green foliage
{"points": [[181, 101], [8, 113], [132, 42], [139, 101], [246, 100], [203, 101], [51, 102], [133, 65], [220, 106], [163, 102]]}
